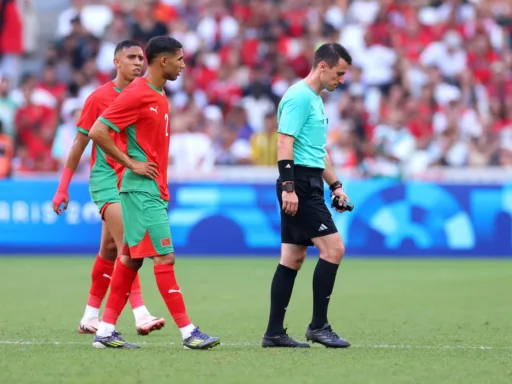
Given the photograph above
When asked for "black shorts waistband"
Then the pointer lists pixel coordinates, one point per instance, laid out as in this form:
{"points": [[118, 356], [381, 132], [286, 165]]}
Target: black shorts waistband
{"points": [[302, 172]]}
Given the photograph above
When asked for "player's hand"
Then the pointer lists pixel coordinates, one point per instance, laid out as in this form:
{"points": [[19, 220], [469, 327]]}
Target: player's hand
{"points": [[290, 202], [150, 170], [340, 193], [59, 198]]}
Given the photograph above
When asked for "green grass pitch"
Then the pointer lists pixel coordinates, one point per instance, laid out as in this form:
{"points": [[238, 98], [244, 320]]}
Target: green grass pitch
{"points": [[410, 321]]}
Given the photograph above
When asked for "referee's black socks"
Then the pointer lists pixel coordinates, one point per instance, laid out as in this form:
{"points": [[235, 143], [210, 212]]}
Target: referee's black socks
{"points": [[280, 294], [323, 284]]}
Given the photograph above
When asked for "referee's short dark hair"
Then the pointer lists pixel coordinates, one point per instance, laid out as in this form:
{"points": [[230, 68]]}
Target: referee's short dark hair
{"points": [[331, 54], [159, 45]]}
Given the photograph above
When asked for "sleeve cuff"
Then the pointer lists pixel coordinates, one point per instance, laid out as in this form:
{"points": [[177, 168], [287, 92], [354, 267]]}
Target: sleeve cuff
{"points": [[292, 134], [111, 125], [84, 131]]}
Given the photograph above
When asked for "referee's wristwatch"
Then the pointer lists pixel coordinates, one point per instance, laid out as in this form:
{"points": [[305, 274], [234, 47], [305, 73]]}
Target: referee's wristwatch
{"points": [[337, 184], [288, 186]]}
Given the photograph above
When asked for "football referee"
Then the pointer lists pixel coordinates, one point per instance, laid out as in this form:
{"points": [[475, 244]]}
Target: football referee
{"points": [[305, 220]]}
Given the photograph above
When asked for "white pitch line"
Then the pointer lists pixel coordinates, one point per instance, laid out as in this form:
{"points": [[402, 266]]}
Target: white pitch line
{"points": [[374, 346], [389, 346]]}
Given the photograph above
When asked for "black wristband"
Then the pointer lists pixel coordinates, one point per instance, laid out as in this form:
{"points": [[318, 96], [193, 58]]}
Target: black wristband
{"points": [[337, 184], [286, 168]]}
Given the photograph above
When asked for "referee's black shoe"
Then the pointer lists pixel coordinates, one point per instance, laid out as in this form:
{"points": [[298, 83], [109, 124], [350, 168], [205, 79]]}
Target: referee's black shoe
{"points": [[326, 336], [281, 341]]}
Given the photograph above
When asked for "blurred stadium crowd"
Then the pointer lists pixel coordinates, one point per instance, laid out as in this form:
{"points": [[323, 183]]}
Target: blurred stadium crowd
{"points": [[431, 82]]}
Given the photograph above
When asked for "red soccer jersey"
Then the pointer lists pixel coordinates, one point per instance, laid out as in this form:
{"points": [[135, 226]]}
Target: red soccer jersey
{"points": [[142, 111], [102, 166]]}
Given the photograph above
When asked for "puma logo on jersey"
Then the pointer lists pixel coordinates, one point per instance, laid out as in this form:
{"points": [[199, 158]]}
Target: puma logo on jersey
{"points": [[154, 109]]}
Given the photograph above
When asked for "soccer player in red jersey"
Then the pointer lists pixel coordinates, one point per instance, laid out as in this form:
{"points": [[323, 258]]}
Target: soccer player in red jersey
{"points": [[142, 113], [105, 173]]}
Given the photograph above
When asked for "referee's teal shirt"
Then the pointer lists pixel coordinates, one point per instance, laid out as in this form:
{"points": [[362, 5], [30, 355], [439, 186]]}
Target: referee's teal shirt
{"points": [[301, 114]]}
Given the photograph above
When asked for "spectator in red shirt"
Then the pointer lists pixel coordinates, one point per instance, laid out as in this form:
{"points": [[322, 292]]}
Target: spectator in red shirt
{"points": [[6, 153], [35, 126], [51, 84], [481, 56], [11, 40], [500, 84], [412, 40]]}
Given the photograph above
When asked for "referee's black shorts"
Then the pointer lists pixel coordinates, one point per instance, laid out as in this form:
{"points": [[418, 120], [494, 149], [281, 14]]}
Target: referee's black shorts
{"points": [[312, 219]]}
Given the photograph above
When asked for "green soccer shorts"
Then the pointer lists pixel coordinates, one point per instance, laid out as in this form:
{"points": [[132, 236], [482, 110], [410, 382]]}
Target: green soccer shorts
{"points": [[104, 197], [146, 225]]}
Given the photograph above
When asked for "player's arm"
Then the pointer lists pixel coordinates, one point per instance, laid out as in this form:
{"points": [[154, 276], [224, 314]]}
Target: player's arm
{"points": [[121, 114], [333, 182], [293, 114], [101, 136], [75, 154]]}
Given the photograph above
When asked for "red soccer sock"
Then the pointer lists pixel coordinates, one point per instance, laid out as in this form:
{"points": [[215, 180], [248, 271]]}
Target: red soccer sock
{"points": [[136, 299], [171, 293], [122, 281], [102, 271]]}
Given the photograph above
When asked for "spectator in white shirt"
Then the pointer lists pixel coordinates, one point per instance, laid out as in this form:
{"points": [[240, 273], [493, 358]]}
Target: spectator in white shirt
{"points": [[448, 55], [393, 146]]}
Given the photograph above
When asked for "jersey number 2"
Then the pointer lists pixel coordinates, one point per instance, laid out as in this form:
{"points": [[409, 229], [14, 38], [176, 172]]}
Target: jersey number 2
{"points": [[166, 125]]}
